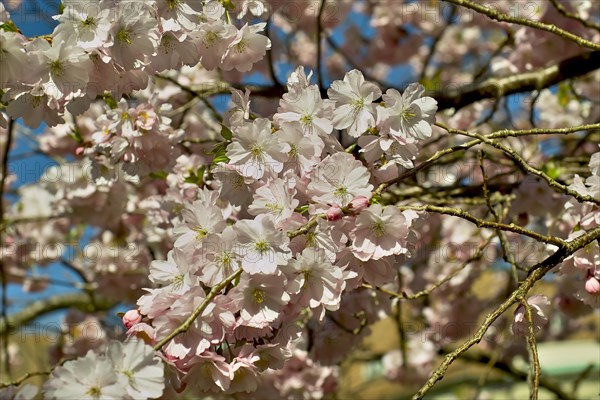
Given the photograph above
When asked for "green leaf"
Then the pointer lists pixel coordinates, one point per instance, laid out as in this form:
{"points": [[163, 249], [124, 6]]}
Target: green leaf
{"points": [[302, 209], [226, 132], [563, 94], [220, 152], [76, 134], [110, 101], [196, 177], [9, 26], [159, 175]]}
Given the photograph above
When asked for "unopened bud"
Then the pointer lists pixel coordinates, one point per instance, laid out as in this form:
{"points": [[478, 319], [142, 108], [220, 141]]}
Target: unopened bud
{"points": [[131, 318], [592, 285], [334, 213], [358, 204]]}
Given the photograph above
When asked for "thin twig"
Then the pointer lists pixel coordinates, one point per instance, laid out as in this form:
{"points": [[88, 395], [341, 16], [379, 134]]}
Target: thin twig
{"points": [[561, 9], [190, 320], [4, 171], [501, 17], [559, 187], [320, 44], [537, 272], [533, 353]]}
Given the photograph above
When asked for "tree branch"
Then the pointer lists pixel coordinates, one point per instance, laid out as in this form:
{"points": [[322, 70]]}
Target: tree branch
{"points": [[58, 302], [537, 272], [501, 17], [458, 97]]}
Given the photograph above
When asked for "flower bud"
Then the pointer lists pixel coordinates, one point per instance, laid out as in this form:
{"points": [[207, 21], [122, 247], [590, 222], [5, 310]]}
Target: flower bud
{"points": [[334, 213], [358, 204], [131, 318], [592, 285]]}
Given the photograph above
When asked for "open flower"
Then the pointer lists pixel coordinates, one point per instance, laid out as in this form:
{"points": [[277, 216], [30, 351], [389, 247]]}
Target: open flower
{"points": [[353, 97], [200, 221], [261, 247], [274, 198], [260, 298], [380, 232], [256, 152], [409, 114], [246, 48], [90, 377], [338, 179], [315, 280], [138, 367], [306, 108]]}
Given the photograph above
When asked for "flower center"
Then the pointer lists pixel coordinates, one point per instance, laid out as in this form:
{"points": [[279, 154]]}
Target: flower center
{"points": [[166, 43], [178, 281], [200, 232], [210, 39], [261, 246], [88, 23], [256, 150], [124, 36], [341, 191], [274, 207], [94, 392], [56, 67], [259, 295], [406, 115], [241, 46], [306, 119], [225, 260], [378, 228], [293, 153]]}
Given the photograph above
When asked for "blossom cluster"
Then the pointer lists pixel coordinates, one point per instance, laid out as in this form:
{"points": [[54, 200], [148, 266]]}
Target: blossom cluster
{"points": [[290, 227], [275, 232], [107, 48], [129, 370]]}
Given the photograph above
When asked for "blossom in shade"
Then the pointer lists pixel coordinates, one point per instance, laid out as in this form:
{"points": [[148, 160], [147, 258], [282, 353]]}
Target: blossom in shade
{"points": [[338, 179], [274, 198], [380, 231], [14, 60], [209, 372], [315, 279], [260, 298], [536, 303], [304, 151], [200, 221], [261, 247], [133, 37]]}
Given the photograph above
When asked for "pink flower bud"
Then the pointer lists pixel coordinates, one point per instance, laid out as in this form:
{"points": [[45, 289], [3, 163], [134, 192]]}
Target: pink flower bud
{"points": [[334, 213], [131, 318], [592, 285], [79, 150], [358, 204]]}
